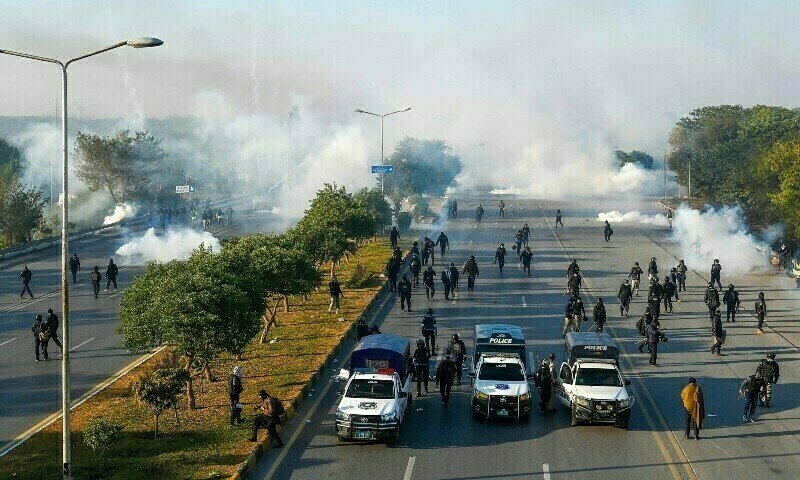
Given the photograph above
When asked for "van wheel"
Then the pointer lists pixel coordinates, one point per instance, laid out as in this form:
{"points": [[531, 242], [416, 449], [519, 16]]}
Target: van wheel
{"points": [[340, 439], [574, 417], [623, 425]]}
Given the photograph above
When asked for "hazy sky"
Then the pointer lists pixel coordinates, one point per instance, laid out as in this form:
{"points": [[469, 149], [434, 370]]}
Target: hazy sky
{"points": [[526, 78]]}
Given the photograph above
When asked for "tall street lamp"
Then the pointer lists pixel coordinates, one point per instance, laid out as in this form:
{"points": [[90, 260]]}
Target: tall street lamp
{"points": [[143, 42], [381, 116], [665, 173]]}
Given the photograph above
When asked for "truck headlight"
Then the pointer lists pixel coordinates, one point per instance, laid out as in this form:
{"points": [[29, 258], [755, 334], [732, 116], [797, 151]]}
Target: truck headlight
{"points": [[481, 396], [583, 402], [625, 403], [340, 415], [389, 417], [525, 397]]}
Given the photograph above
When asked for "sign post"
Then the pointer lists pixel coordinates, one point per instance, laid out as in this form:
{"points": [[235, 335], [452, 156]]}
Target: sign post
{"points": [[383, 169]]}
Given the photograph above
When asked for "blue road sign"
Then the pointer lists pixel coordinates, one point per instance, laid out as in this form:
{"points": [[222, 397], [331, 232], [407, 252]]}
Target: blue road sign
{"points": [[383, 169]]}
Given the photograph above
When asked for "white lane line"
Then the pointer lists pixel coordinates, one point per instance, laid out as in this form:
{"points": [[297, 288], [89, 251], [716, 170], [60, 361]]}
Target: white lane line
{"points": [[524, 303], [8, 341], [409, 468], [80, 345], [546, 471]]}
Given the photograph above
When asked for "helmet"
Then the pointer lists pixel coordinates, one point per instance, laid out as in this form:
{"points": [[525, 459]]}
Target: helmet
{"points": [[420, 342], [716, 260], [730, 287], [455, 336], [710, 285], [666, 278], [551, 356], [599, 300], [760, 294], [430, 311], [771, 355], [636, 263], [472, 257], [653, 259], [625, 281], [502, 244]]}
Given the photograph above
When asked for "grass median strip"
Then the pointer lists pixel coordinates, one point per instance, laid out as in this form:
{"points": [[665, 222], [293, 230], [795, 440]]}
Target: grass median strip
{"points": [[200, 445]]}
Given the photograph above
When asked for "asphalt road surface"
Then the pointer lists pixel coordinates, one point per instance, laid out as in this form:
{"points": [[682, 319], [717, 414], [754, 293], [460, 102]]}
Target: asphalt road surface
{"points": [[30, 391], [445, 443]]}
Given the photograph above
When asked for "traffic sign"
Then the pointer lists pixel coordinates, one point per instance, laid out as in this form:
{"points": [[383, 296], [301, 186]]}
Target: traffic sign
{"points": [[184, 188], [383, 169]]}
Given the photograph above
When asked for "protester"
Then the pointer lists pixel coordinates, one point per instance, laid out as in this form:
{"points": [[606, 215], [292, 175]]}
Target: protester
{"points": [[693, 407]]}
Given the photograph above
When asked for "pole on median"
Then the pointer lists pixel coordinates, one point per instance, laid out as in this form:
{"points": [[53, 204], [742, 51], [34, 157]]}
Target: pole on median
{"points": [[381, 116]]}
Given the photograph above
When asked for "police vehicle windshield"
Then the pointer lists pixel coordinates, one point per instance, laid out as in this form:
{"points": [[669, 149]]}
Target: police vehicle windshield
{"points": [[365, 388], [518, 350], [508, 372], [598, 377]]}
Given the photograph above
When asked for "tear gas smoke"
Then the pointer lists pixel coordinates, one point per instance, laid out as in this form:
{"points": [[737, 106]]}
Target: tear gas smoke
{"points": [[635, 216], [703, 236], [173, 245], [512, 190], [120, 213]]}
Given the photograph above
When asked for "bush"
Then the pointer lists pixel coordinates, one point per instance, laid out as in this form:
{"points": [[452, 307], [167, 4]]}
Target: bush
{"points": [[404, 221], [360, 277], [100, 433]]}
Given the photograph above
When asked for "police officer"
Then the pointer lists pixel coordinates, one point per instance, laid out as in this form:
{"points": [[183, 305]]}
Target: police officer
{"points": [[335, 291], [445, 376], [607, 232], [681, 276], [111, 274], [574, 284], [422, 358], [711, 299], [718, 334], [454, 276], [404, 289], [95, 278], [458, 351], [652, 269], [500, 256], [472, 272], [716, 273], [558, 218], [526, 257], [51, 325], [228, 214], [26, 275], [670, 290], [443, 242], [526, 233], [673, 277], [502, 207], [37, 328], [624, 297], [573, 268], [394, 237], [769, 371], [635, 276], [653, 339], [446, 282], [392, 270], [567, 317], [429, 330], [731, 301], [641, 327], [599, 315], [425, 250], [416, 267], [428, 282], [518, 242], [761, 312], [578, 313], [654, 295], [74, 267], [479, 213]]}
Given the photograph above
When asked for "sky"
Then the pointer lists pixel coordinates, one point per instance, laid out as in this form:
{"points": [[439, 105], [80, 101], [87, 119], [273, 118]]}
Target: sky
{"points": [[515, 86]]}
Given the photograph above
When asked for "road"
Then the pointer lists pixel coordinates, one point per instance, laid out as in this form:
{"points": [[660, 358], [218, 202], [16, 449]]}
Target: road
{"points": [[439, 443], [31, 391]]}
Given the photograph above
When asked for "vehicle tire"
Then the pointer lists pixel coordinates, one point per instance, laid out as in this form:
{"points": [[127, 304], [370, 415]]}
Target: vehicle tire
{"points": [[574, 417], [623, 424], [340, 439]]}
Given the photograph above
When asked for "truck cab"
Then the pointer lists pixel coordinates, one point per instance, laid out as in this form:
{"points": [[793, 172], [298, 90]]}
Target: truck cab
{"points": [[501, 388], [377, 395], [498, 338], [593, 388]]}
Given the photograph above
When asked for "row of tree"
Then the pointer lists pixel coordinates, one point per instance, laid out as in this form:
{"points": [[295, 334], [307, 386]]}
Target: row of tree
{"points": [[21, 208], [217, 302], [743, 156], [634, 156]]}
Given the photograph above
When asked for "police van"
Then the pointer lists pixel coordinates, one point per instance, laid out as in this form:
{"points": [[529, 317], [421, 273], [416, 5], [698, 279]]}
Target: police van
{"points": [[590, 383], [500, 373]]}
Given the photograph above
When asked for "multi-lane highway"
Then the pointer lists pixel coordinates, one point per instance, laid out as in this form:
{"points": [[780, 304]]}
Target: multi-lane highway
{"points": [[439, 443]]}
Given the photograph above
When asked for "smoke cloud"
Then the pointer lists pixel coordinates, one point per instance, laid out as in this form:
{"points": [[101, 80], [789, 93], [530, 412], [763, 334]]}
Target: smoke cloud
{"points": [[120, 213], [173, 245], [635, 216]]}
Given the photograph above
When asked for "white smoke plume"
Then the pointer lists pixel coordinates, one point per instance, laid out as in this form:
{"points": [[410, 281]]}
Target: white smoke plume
{"points": [[173, 245], [704, 236], [120, 213], [634, 216]]}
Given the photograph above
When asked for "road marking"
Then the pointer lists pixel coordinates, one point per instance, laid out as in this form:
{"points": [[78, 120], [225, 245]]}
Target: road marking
{"points": [[8, 341], [80, 345], [409, 468], [546, 471], [524, 303]]}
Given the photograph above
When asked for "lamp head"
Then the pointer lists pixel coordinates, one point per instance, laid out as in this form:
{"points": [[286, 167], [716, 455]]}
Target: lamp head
{"points": [[144, 42]]}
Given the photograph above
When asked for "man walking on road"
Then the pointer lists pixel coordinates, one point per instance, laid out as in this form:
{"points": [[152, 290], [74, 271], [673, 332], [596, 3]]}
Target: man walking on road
{"points": [[51, 326], [428, 282], [624, 297], [718, 334], [769, 371], [446, 282], [392, 270], [458, 351], [26, 275], [500, 256], [558, 218], [394, 237], [694, 407], [526, 257], [445, 376], [598, 316], [443, 242], [471, 269], [404, 289], [749, 390], [95, 278], [607, 232], [653, 339], [716, 273], [681, 276], [526, 234], [669, 291], [111, 274], [731, 301], [635, 276], [502, 207], [711, 299], [422, 358], [641, 327], [74, 267], [416, 267], [761, 312], [429, 330], [454, 275], [37, 328]]}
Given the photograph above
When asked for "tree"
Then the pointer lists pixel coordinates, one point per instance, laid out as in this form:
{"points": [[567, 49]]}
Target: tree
{"points": [[123, 165], [372, 202], [421, 167], [10, 156], [782, 165], [634, 156], [100, 433], [21, 209], [160, 389]]}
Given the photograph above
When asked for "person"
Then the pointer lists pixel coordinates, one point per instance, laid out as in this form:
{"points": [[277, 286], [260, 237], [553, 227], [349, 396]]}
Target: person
{"points": [[26, 275], [454, 208], [502, 206], [429, 330], [731, 301], [398, 254], [652, 269], [624, 297], [783, 255], [749, 390], [653, 339], [220, 216], [578, 313], [558, 218], [573, 268], [111, 274], [374, 330], [416, 267], [518, 238], [37, 328], [414, 250], [654, 295], [718, 334], [574, 284], [479, 213], [229, 215], [335, 291], [711, 299], [641, 327], [526, 233], [548, 374], [694, 408], [428, 282], [431, 247], [458, 351], [392, 270], [567, 317], [51, 325], [635, 276], [234, 391], [500, 256], [471, 269], [607, 231], [193, 216], [716, 273], [269, 418], [404, 289], [446, 282], [443, 242], [673, 277], [394, 237], [761, 312], [74, 267], [670, 217], [769, 371], [526, 257], [454, 275], [421, 358], [670, 290], [445, 376], [362, 330], [599, 315], [681, 276], [95, 277]]}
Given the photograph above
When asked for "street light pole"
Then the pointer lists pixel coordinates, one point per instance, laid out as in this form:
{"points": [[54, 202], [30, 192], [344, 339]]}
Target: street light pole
{"points": [[665, 173], [381, 116], [690, 175], [66, 440]]}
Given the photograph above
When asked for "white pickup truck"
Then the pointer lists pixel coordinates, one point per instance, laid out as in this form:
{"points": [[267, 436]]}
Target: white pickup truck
{"points": [[501, 388]]}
